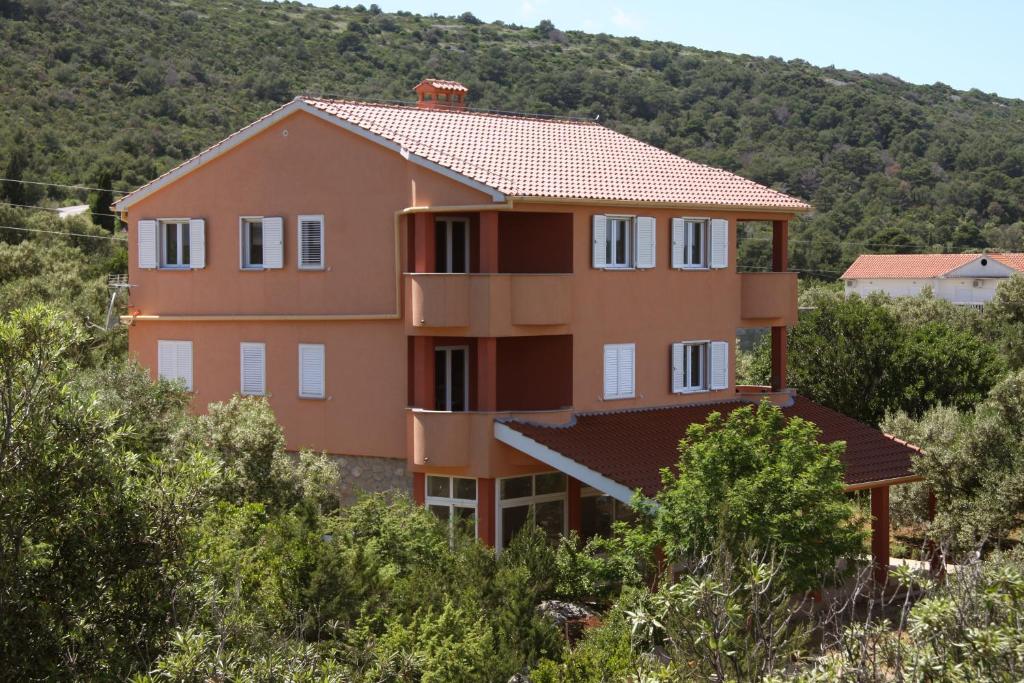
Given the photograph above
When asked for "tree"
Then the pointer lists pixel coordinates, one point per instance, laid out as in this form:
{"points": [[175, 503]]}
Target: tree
{"points": [[755, 479], [101, 201], [1004, 319], [12, 190]]}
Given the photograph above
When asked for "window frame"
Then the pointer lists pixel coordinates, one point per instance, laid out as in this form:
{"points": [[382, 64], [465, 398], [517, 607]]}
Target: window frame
{"points": [[448, 377], [705, 366], [452, 502], [529, 501], [618, 396], [298, 241], [705, 223], [243, 244], [630, 236], [184, 228], [448, 221], [323, 372]]}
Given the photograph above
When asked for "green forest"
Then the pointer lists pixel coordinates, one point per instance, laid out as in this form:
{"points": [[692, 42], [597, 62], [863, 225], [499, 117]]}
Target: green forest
{"points": [[129, 88]]}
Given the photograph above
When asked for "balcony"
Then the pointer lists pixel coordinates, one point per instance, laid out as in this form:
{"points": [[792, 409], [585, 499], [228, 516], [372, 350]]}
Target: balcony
{"points": [[486, 305], [768, 299], [463, 442]]}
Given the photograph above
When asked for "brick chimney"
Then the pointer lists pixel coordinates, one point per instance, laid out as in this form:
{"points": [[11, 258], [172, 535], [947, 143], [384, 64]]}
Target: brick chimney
{"points": [[434, 93]]}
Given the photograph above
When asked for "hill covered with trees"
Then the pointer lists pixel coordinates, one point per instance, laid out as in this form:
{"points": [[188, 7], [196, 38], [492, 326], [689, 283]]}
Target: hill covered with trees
{"points": [[132, 87]]}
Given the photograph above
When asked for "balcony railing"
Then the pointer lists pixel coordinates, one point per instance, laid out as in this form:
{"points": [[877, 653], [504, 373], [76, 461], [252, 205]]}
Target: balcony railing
{"points": [[486, 305], [464, 442], [768, 299]]}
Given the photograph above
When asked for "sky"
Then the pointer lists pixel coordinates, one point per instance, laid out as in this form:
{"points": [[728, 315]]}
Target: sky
{"points": [[966, 44]]}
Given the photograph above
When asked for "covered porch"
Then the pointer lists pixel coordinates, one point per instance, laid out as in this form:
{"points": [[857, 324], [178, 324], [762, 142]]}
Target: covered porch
{"points": [[607, 456]]}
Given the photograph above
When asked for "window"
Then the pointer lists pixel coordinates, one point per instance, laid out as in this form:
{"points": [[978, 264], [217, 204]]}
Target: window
{"points": [[174, 361], [453, 499], [619, 371], [252, 243], [689, 367], [253, 361], [451, 378], [695, 243], [619, 243], [311, 370], [262, 244], [700, 366], [598, 512], [174, 244], [541, 494], [311, 242], [451, 245]]}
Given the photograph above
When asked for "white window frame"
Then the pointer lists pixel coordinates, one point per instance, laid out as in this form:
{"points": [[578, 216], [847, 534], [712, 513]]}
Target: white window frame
{"points": [[323, 372], [630, 237], [263, 370], [451, 502], [531, 501], [448, 222], [243, 243], [298, 242], [184, 227], [617, 396], [705, 228], [705, 366], [448, 378]]}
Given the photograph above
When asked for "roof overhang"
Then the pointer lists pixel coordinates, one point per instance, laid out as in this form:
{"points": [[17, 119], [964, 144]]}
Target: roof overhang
{"points": [[262, 124]]}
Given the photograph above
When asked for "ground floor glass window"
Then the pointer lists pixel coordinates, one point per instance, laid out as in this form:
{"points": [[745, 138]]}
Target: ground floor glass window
{"points": [[453, 499], [542, 494], [598, 512]]}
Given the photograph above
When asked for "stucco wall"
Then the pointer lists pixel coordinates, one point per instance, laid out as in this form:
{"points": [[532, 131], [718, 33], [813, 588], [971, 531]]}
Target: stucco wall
{"points": [[956, 290]]}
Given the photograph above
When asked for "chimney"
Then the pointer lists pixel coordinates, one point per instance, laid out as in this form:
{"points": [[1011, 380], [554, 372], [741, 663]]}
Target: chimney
{"points": [[434, 93]]}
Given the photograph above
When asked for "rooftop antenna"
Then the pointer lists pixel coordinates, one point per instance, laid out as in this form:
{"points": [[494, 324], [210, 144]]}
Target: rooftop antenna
{"points": [[117, 284]]}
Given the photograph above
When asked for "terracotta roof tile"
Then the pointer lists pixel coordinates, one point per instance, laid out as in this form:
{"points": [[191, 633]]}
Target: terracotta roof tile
{"points": [[632, 447], [557, 158], [442, 84], [902, 266]]}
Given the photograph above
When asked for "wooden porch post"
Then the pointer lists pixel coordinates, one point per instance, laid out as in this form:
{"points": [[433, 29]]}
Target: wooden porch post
{"points": [[485, 510], [574, 502], [780, 263], [880, 533]]}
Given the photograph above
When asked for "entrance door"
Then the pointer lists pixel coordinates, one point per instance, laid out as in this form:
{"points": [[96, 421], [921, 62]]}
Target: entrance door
{"points": [[451, 378], [452, 245]]}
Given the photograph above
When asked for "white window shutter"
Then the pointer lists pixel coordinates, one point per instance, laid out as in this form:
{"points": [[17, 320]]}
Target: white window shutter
{"points": [[254, 368], [311, 370], [600, 234], [678, 242], [197, 243], [719, 375], [678, 367], [184, 353], [719, 243], [646, 242], [146, 236], [273, 242], [174, 361], [611, 371], [311, 242], [627, 370]]}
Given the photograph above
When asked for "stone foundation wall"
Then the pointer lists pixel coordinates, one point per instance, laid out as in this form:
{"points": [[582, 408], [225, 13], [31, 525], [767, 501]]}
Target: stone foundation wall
{"points": [[357, 473]]}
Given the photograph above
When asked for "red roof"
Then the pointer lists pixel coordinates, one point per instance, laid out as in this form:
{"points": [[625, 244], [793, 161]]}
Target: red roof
{"points": [[632, 447], [442, 84], [902, 266], [530, 156]]}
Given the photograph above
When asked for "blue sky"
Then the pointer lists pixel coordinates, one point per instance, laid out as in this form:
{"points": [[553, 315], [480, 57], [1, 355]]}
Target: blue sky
{"points": [[966, 44]]}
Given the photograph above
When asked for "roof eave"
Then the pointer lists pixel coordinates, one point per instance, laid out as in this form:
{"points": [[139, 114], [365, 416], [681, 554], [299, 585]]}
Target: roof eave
{"points": [[690, 206]]}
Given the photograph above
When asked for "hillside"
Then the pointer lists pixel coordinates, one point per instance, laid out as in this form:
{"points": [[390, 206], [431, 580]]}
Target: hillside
{"points": [[131, 87]]}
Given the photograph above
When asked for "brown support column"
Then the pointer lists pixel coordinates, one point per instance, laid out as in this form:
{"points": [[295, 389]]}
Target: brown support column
{"points": [[419, 487], [488, 241], [574, 501], [423, 243], [423, 372], [487, 374], [780, 246], [778, 378], [485, 511], [880, 533]]}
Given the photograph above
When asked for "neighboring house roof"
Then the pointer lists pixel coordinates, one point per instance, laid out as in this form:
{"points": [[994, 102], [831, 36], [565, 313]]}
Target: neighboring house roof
{"points": [[631, 447], [905, 266], [76, 210], [508, 155]]}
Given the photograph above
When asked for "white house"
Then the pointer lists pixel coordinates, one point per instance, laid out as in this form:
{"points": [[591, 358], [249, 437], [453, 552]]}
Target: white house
{"points": [[965, 279]]}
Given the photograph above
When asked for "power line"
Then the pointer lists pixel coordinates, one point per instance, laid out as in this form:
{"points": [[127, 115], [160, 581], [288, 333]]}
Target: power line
{"points": [[76, 187], [50, 208], [880, 245], [68, 234]]}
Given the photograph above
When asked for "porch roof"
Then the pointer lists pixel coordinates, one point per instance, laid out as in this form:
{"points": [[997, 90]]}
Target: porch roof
{"points": [[621, 451]]}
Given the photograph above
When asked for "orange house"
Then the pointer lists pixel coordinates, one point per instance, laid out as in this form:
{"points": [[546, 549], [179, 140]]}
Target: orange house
{"points": [[504, 312]]}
